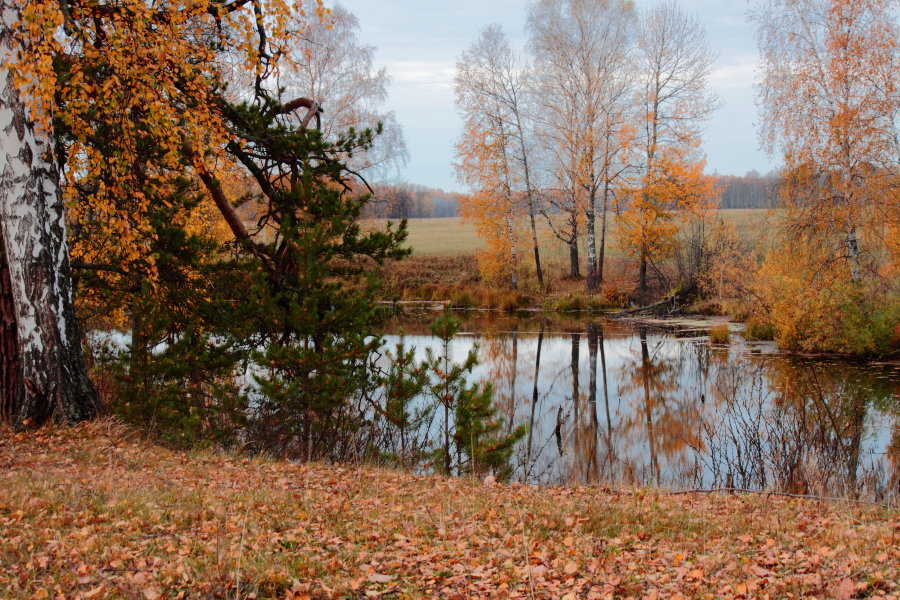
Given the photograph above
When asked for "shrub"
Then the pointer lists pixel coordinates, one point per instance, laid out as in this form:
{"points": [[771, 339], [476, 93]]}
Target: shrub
{"points": [[818, 309], [428, 291], [461, 298], [613, 296], [572, 303], [759, 331], [514, 301], [720, 334]]}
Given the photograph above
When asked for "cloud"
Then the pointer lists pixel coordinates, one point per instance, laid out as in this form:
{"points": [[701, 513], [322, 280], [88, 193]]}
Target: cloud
{"points": [[740, 73], [432, 73]]}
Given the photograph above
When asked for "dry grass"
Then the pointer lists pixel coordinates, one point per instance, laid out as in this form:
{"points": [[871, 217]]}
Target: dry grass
{"points": [[98, 512], [456, 279], [720, 334], [443, 267], [416, 271]]}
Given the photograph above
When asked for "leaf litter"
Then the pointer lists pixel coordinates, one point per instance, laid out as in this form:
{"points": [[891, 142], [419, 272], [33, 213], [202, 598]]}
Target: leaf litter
{"points": [[97, 511]]}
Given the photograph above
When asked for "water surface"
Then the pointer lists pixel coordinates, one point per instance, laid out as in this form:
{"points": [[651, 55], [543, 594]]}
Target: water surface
{"points": [[617, 403]]}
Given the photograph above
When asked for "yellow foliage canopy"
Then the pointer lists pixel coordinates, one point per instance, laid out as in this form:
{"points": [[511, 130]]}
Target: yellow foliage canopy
{"points": [[674, 190], [131, 83], [492, 208]]}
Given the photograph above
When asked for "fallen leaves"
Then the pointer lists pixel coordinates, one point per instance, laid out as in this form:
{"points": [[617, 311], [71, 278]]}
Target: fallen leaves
{"points": [[140, 521]]}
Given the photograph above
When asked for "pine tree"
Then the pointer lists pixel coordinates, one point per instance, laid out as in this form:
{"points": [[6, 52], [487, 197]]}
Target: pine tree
{"points": [[477, 445], [312, 310]]}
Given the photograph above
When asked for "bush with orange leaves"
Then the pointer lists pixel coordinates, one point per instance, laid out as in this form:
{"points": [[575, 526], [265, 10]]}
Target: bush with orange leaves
{"points": [[814, 307]]}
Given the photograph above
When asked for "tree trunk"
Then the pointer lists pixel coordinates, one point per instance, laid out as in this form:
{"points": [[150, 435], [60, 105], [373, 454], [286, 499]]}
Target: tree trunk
{"points": [[574, 267], [853, 253], [513, 260], [10, 373], [529, 193], [42, 364], [601, 258], [574, 271], [642, 283], [534, 241], [591, 247]]}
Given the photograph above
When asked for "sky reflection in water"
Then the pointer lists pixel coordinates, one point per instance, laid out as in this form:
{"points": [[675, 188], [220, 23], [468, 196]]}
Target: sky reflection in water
{"points": [[615, 403]]}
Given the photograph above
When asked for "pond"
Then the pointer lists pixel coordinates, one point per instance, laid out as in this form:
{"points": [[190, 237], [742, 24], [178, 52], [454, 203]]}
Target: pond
{"points": [[614, 403]]}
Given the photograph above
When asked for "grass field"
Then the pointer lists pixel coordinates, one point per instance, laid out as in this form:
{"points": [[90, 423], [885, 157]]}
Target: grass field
{"points": [[452, 237]]}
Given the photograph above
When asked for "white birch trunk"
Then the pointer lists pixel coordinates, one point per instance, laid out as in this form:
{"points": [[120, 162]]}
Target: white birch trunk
{"points": [[513, 261], [853, 254], [47, 376], [591, 243]]}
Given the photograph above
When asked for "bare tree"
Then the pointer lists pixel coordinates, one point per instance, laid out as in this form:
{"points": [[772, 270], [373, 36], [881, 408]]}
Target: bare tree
{"points": [[492, 78], [339, 74], [582, 51]]}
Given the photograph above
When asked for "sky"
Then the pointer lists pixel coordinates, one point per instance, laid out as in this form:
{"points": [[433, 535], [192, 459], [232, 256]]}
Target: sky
{"points": [[419, 41]]}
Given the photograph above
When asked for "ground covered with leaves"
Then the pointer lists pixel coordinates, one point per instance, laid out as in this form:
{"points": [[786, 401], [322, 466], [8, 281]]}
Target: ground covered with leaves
{"points": [[99, 512]]}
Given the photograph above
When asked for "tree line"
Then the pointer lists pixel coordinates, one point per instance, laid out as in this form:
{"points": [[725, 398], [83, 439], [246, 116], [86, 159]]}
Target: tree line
{"points": [[411, 201], [414, 201], [603, 112]]}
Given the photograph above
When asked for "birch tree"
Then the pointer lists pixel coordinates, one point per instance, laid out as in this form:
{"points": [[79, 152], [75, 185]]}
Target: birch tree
{"points": [[42, 370], [160, 68], [830, 102], [495, 150], [582, 52], [675, 62], [337, 72]]}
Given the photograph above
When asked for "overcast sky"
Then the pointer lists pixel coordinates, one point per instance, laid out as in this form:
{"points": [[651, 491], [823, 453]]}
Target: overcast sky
{"points": [[419, 41]]}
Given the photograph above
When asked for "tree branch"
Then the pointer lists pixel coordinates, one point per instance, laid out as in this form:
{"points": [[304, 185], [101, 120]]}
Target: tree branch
{"points": [[215, 189]]}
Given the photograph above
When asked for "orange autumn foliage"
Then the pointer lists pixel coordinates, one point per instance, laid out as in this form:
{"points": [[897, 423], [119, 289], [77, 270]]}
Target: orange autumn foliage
{"points": [[673, 192], [830, 102], [492, 208], [130, 84]]}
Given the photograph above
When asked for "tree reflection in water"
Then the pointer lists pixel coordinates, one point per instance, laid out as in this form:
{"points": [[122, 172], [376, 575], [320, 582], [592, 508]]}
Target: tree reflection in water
{"points": [[618, 404]]}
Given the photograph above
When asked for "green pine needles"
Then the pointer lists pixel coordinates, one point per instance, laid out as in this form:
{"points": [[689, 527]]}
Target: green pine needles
{"points": [[468, 437]]}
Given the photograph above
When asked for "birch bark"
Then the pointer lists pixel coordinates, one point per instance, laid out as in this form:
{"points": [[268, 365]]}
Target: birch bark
{"points": [[43, 370]]}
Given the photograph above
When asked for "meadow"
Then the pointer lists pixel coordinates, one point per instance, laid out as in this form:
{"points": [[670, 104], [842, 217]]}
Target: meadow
{"points": [[443, 266], [451, 236]]}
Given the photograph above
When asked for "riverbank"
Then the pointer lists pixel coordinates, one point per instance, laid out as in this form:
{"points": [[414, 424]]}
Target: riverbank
{"points": [[457, 282], [99, 512]]}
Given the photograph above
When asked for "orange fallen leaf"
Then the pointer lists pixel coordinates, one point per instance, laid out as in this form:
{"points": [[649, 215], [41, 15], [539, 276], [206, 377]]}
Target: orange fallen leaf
{"points": [[150, 593], [843, 590]]}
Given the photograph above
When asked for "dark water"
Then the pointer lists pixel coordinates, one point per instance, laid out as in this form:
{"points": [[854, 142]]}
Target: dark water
{"points": [[619, 403]]}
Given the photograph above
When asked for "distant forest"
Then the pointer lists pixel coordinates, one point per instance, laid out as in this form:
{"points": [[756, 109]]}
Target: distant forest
{"points": [[750, 191], [412, 201]]}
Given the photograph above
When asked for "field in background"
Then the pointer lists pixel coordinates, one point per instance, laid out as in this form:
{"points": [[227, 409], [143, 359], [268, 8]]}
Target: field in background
{"points": [[451, 237]]}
